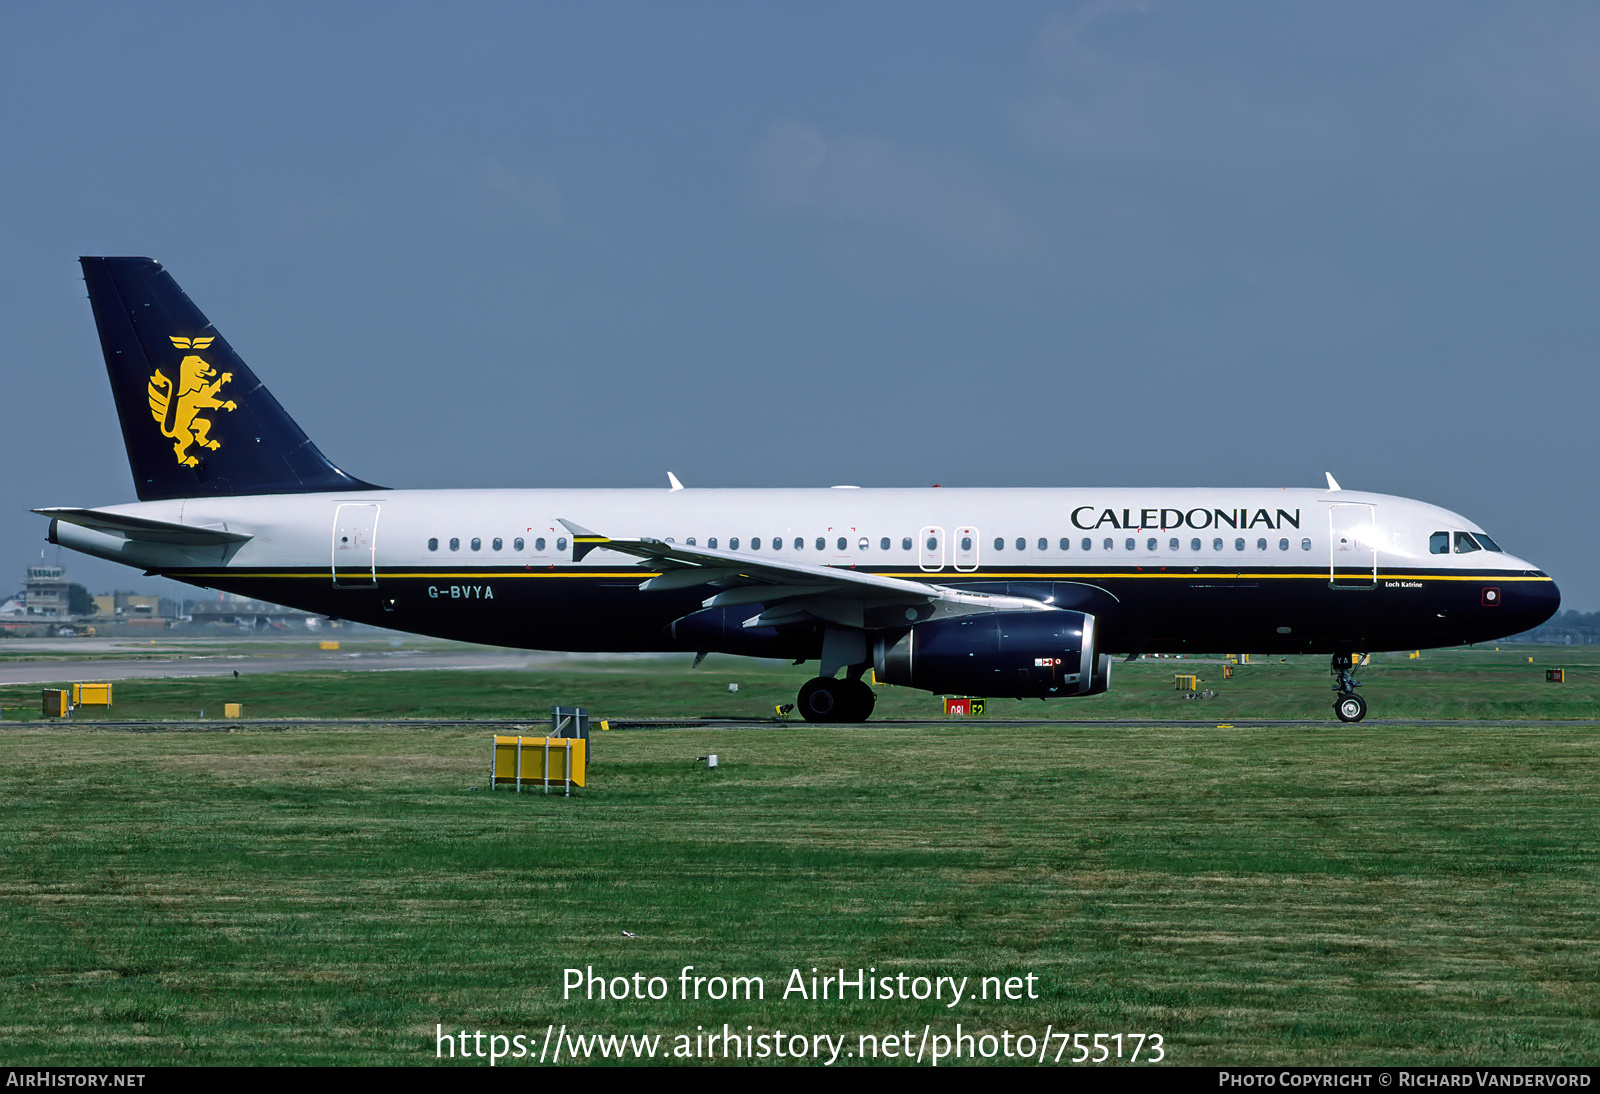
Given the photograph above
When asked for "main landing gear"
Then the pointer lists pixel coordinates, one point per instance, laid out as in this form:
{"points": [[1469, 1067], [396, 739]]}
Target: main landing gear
{"points": [[1349, 706], [824, 699]]}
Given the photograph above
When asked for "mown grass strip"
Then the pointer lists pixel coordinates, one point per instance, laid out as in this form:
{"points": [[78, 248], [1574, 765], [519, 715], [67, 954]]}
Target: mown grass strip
{"points": [[1351, 895]]}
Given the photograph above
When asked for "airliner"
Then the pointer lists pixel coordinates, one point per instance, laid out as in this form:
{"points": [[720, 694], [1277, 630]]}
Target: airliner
{"points": [[1027, 593]]}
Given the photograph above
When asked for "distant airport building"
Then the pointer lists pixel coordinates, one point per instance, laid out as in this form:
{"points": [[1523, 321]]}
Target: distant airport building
{"points": [[127, 607], [45, 594], [230, 610], [1570, 628], [46, 602]]}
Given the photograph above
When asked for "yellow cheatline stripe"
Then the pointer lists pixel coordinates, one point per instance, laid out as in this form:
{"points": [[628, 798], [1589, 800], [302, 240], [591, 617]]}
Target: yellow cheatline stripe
{"points": [[480, 575], [498, 574], [965, 575]]}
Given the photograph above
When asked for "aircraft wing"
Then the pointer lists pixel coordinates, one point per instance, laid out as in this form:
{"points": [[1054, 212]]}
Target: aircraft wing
{"points": [[705, 564], [787, 591]]}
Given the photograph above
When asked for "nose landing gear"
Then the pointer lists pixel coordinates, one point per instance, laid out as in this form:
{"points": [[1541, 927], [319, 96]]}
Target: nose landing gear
{"points": [[1349, 706]]}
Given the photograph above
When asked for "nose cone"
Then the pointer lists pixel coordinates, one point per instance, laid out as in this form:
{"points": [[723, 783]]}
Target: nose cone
{"points": [[1530, 603]]}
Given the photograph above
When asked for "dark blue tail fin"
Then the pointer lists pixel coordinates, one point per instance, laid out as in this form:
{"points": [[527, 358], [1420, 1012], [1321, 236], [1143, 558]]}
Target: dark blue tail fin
{"points": [[196, 420]]}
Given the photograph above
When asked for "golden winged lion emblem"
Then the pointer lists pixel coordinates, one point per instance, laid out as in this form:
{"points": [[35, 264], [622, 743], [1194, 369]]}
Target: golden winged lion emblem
{"points": [[177, 406]]}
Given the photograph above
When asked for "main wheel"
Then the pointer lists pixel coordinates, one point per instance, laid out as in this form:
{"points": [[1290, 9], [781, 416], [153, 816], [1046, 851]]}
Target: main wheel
{"points": [[858, 699], [822, 699], [1350, 707]]}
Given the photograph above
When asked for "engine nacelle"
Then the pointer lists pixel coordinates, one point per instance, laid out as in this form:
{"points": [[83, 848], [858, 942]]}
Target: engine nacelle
{"points": [[1024, 655], [1100, 682]]}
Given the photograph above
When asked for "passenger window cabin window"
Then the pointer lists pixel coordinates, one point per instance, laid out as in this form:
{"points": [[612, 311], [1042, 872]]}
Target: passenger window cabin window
{"points": [[1129, 544], [999, 544], [1066, 544], [689, 542], [1439, 543], [1172, 545], [966, 543], [497, 543], [477, 544], [1194, 544], [517, 544], [1261, 545], [1022, 544], [1465, 544], [433, 544], [863, 545], [1305, 545], [1109, 543], [755, 543], [733, 544], [1088, 544], [1216, 545], [712, 543], [1283, 545], [538, 544], [1238, 545], [1044, 544], [822, 544], [905, 544], [777, 543], [561, 543], [883, 544], [933, 543], [455, 544], [1150, 544]]}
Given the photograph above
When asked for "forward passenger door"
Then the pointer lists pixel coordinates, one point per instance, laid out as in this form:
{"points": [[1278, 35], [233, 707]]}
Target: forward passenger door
{"points": [[1353, 545]]}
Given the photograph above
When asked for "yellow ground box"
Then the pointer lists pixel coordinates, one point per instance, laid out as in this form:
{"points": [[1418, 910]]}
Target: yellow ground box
{"points": [[1181, 682], [91, 695], [233, 710], [537, 761], [57, 704], [327, 644]]}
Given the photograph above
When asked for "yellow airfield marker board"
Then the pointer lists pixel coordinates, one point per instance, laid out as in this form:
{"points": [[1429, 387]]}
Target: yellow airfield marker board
{"points": [[91, 695], [534, 761]]}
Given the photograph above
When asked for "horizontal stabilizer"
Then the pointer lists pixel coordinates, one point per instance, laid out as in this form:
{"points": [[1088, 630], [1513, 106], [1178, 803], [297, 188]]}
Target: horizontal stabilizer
{"points": [[146, 531]]}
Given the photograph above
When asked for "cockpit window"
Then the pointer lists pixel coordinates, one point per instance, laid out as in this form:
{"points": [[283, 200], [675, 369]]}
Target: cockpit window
{"points": [[1465, 544], [1439, 543], [1488, 543]]}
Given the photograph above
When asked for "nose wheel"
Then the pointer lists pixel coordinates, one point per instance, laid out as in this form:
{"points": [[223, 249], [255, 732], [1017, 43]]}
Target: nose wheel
{"points": [[1349, 706], [824, 699]]}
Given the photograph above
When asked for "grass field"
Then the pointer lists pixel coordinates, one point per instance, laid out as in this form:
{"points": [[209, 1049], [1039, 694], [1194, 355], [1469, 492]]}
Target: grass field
{"points": [[1478, 683], [1379, 893]]}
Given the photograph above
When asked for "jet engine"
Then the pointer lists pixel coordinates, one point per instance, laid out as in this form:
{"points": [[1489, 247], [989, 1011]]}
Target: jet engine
{"points": [[1025, 655]]}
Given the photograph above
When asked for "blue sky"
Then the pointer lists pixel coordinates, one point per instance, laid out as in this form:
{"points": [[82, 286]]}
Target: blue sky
{"points": [[888, 244]]}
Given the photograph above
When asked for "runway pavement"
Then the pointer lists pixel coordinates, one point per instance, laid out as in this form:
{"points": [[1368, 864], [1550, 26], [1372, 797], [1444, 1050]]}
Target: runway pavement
{"points": [[170, 662]]}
